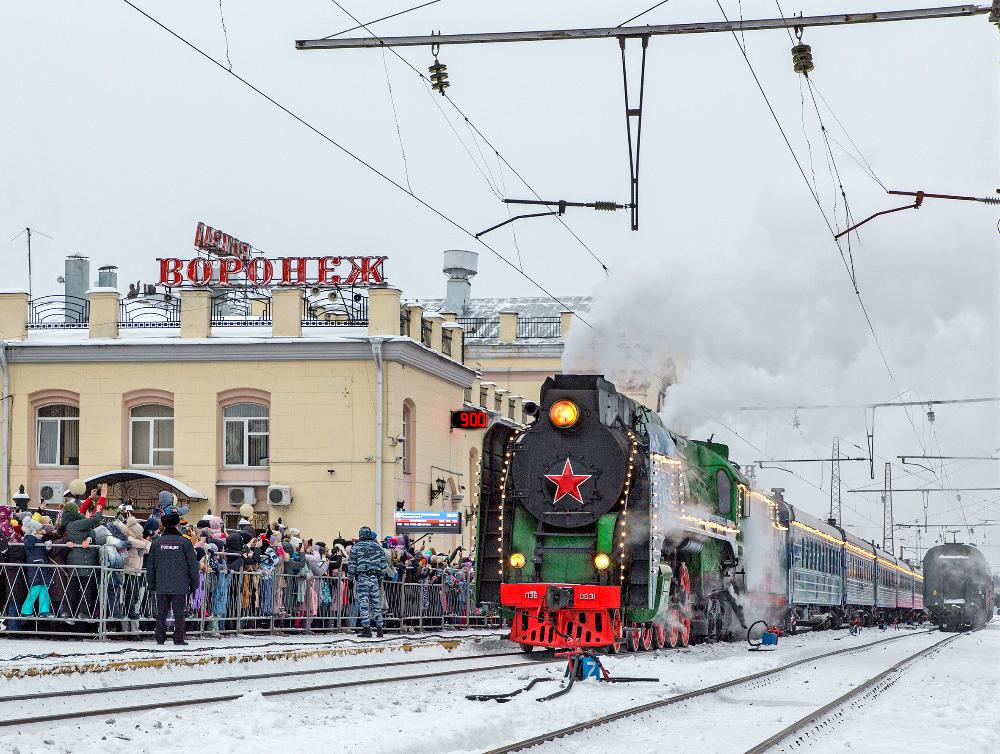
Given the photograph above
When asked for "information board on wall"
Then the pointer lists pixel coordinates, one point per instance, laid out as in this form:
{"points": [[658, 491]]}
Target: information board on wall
{"points": [[422, 522]]}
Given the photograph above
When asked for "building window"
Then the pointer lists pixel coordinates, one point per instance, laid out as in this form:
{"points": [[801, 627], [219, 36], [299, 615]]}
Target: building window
{"points": [[409, 429], [152, 435], [57, 435], [510, 409], [498, 403], [482, 396], [246, 434]]}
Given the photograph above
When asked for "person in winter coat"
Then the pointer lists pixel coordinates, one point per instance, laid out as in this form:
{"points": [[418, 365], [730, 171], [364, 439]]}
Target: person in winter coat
{"points": [[93, 506], [171, 572], [135, 587], [81, 588], [315, 570], [36, 547], [367, 563]]}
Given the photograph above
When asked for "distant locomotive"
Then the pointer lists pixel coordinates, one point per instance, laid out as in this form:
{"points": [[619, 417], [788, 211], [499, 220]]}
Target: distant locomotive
{"points": [[598, 527], [958, 589]]}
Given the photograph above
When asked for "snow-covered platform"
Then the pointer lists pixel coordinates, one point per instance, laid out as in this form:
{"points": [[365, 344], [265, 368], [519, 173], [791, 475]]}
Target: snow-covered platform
{"points": [[32, 657], [950, 699]]}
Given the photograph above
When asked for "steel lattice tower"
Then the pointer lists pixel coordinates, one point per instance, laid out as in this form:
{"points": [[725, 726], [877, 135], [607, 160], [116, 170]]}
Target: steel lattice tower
{"points": [[888, 530], [835, 483]]}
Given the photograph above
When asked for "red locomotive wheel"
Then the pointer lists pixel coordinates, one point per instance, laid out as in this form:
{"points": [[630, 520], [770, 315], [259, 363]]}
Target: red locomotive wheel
{"points": [[685, 631], [674, 634], [659, 635], [632, 638], [685, 611], [647, 637]]}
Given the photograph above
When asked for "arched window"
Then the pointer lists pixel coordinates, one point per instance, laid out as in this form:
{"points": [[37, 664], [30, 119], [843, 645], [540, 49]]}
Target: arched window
{"points": [[57, 435], [151, 432], [246, 434], [725, 489], [409, 435]]}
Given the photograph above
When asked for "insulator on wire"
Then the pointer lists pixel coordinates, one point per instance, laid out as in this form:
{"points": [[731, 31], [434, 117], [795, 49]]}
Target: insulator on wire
{"points": [[605, 206], [802, 58], [439, 76]]}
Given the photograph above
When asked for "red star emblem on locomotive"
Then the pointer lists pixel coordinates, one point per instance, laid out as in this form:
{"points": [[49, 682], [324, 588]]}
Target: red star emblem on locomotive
{"points": [[567, 483]]}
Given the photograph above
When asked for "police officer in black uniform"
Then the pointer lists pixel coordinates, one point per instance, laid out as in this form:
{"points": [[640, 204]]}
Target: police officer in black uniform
{"points": [[172, 573]]}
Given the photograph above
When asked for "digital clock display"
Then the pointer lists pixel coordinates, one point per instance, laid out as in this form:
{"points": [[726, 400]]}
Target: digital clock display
{"points": [[469, 419]]}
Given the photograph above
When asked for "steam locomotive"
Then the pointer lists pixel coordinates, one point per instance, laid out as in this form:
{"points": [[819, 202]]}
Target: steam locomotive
{"points": [[598, 527], [958, 589]]}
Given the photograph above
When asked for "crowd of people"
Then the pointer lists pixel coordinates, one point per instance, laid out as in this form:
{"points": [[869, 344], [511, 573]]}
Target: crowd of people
{"points": [[61, 570]]}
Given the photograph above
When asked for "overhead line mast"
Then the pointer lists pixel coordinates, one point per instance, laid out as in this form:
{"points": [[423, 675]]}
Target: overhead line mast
{"points": [[633, 104]]}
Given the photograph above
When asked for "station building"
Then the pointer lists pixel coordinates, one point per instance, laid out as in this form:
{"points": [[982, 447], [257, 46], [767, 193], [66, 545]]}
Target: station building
{"points": [[328, 418]]}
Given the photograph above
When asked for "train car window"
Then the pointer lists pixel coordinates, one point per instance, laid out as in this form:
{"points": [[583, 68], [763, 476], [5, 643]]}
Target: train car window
{"points": [[724, 488]]}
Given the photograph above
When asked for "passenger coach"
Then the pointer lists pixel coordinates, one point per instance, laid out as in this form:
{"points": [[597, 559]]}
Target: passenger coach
{"points": [[801, 570]]}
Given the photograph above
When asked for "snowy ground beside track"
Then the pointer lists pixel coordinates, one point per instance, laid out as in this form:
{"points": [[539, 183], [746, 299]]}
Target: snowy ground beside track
{"points": [[428, 714], [949, 704]]}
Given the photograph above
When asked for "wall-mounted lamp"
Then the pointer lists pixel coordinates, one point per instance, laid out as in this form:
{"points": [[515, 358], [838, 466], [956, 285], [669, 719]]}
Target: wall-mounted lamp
{"points": [[437, 489]]}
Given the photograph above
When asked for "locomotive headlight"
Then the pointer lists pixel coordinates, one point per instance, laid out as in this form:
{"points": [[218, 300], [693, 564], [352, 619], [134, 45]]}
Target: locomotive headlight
{"points": [[601, 561], [517, 560], [564, 414]]}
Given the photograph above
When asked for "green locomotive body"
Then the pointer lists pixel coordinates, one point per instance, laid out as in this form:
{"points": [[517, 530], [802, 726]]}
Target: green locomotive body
{"points": [[597, 525]]}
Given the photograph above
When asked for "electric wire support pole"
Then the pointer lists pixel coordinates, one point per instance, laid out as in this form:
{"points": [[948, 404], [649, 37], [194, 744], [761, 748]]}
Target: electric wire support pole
{"points": [[835, 508], [888, 530], [633, 105]]}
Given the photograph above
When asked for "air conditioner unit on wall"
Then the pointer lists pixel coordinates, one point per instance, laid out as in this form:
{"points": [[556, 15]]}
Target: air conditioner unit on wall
{"points": [[51, 492], [240, 495], [279, 494]]}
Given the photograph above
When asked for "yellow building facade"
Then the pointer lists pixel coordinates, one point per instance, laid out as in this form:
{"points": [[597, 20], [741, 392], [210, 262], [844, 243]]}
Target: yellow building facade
{"points": [[222, 415]]}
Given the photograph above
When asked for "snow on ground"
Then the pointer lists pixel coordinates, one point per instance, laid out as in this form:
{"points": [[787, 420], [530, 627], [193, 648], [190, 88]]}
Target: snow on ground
{"points": [[427, 714], [739, 718], [949, 703], [70, 664]]}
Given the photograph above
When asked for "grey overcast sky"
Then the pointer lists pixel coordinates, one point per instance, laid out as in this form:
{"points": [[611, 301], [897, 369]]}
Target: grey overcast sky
{"points": [[116, 140]]}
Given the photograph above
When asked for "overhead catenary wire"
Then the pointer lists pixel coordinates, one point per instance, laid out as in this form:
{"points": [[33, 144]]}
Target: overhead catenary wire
{"points": [[476, 129], [326, 137], [225, 34], [395, 116], [384, 18], [815, 196], [643, 13]]}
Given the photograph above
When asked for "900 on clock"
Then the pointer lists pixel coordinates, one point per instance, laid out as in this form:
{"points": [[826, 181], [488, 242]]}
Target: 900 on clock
{"points": [[469, 419]]}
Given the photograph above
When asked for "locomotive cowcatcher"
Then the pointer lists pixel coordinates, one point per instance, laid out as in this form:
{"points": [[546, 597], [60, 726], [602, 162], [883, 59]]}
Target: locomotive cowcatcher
{"points": [[598, 526]]}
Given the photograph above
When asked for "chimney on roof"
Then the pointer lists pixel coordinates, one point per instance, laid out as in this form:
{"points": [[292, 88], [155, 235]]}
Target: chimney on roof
{"points": [[107, 276], [76, 282], [460, 266]]}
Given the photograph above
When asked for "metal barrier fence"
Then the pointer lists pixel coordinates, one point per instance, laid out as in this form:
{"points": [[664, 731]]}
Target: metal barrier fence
{"points": [[98, 600]]}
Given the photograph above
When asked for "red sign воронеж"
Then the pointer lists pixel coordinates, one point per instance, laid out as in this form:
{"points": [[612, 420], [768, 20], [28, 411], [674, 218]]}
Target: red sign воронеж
{"points": [[261, 271], [232, 258]]}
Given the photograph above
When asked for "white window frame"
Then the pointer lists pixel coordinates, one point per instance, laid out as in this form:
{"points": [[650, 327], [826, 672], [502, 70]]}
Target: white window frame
{"points": [[132, 421], [247, 434], [57, 420], [407, 458]]}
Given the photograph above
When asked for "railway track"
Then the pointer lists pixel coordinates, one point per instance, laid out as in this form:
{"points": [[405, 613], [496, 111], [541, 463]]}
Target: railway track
{"points": [[8, 721], [804, 722], [596, 722]]}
